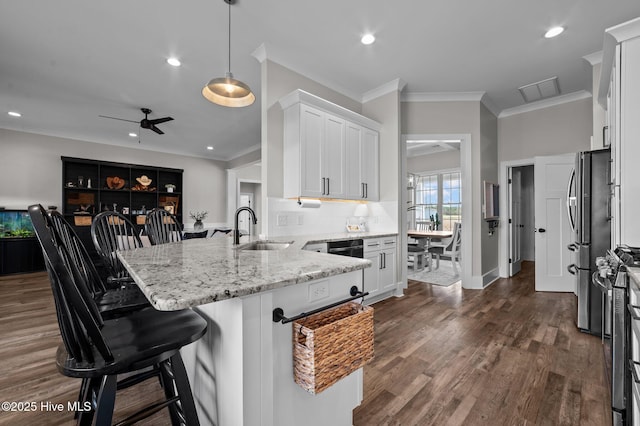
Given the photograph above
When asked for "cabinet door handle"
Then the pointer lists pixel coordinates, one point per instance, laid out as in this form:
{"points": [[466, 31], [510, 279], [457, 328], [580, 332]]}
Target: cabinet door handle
{"points": [[323, 185], [362, 189], [366, 190], [328, 190]]}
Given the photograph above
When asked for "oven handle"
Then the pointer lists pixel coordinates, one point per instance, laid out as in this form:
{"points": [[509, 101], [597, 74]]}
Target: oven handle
{"points": [[595, 279]]}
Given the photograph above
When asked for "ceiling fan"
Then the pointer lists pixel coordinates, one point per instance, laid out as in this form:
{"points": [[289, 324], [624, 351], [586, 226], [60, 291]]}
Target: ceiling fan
{"points": [[145, 123]]}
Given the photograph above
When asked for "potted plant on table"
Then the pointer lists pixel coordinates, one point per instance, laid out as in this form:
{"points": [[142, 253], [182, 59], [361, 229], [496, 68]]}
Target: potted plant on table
{"points": [[436, 221], [198, 216]]}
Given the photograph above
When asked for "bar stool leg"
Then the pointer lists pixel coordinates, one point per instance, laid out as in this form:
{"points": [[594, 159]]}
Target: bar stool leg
{"points": [[106, 400], [184, 390]]}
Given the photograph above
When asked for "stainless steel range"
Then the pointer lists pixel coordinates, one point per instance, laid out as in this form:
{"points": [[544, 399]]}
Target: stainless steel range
{"points": [[621, 315]]}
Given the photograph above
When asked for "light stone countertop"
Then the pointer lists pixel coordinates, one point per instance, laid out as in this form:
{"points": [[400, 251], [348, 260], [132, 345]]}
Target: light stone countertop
{"points": [[198, 271]]}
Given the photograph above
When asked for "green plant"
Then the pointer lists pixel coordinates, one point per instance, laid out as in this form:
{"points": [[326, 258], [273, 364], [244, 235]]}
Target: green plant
{"points": [[198, 215], [435, 220]]}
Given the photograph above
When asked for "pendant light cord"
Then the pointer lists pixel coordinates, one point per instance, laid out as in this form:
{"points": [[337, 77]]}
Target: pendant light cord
{"points": [[229, 70]]}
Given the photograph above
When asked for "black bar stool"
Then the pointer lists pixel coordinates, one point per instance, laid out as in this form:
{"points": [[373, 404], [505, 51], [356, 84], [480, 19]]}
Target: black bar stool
{"points": [[142, 344], [162, 227]]}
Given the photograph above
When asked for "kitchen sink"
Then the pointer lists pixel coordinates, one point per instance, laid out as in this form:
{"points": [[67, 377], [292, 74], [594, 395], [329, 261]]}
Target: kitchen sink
{"points": [[265, 245]]}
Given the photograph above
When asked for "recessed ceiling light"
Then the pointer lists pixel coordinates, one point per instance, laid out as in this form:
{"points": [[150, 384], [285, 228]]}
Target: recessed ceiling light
{"points": [[133, 135], [14, 114], [554, 32], [173, 62], [367, 39], [210, 148]]}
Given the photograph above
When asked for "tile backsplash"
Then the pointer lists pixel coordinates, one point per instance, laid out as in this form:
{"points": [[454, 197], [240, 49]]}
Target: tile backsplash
{"points": [[286, 217]]}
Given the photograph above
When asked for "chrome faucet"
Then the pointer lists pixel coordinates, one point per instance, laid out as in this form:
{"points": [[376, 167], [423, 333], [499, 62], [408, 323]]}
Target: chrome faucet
{"points": [[236, 233]]}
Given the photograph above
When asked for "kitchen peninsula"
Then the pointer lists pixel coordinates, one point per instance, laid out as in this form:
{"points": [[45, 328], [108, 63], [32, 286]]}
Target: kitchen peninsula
{"points": [[241, 370]]}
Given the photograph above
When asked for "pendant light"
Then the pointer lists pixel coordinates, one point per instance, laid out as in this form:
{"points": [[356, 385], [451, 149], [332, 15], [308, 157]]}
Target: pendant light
{"points": [[227, 91]]}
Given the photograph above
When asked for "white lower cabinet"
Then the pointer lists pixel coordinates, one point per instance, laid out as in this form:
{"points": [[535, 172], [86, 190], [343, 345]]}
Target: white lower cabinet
{"points": [[381, 277]]}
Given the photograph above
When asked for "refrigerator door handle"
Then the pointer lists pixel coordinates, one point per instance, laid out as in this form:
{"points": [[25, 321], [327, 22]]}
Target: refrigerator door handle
{"points": [[572, 221]]}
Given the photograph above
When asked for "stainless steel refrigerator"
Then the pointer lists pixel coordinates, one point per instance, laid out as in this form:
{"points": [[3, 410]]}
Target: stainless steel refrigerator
{"points": [[588, 206]]}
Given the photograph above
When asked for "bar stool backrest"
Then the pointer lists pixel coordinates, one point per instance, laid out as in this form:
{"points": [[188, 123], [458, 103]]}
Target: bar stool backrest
{"points": [[162, 227], [110, 232], [79, 319], [78, 252]]}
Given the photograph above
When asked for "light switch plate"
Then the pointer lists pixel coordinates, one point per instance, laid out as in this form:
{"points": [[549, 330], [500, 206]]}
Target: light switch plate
{"points": [[282, 220]]}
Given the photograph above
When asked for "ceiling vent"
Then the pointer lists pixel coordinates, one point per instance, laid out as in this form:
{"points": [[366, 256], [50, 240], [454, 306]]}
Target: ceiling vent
{"points": [[540, 90]]}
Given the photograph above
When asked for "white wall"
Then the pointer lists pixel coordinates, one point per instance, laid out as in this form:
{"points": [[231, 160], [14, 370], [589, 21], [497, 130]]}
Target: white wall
{"points": [[445, 160], [31, 172], [558, 129]]}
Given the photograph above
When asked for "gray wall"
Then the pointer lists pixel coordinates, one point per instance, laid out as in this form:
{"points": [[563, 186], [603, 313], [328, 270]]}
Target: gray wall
{"points": [[461, 118], [444, 160], [31, 171], [559, 129], [489, 173]]}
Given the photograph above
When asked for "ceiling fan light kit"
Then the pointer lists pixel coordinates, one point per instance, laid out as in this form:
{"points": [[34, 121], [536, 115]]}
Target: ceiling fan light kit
{"points": [[227, 91]]}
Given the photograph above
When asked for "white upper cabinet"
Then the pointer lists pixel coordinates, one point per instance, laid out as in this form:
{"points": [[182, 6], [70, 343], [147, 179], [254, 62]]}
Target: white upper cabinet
{"points": [[328, 151], [619, 92], [362, 160]]}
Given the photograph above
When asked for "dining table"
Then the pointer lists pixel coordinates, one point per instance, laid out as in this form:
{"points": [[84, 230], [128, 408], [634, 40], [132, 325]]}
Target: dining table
{"points": [[424, 237]]}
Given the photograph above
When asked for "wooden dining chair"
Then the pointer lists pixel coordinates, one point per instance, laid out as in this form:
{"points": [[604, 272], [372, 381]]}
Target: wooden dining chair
{"points": [[162, 227], [110, 232], [140, 345], [452, 250]]}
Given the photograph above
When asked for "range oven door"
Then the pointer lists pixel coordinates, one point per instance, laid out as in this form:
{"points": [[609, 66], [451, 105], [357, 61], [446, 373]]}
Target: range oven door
{"points": [[618, 343]]}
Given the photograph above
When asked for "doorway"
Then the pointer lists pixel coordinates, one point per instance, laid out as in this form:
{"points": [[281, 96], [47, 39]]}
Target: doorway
{"points": [[521, 225], [548, 220]]}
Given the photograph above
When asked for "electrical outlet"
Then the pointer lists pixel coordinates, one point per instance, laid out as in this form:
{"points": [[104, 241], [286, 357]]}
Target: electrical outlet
{"points": [[282, 220], [300, 219], [318, 291]]}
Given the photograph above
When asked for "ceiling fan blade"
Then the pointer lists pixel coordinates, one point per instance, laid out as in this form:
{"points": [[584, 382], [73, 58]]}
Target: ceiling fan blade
{"points": [[155, 129], [116, 118], [160, 120]]}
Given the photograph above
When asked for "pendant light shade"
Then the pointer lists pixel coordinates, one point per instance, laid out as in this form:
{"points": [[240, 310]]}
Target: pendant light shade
{"points": [[227, 91]]}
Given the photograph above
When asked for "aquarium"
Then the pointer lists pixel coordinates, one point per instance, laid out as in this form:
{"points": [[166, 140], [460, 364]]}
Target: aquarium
{"points": [[15, 224]]}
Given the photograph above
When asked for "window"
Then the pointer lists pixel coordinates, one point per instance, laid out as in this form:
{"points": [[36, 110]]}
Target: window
{"points": [[438, 193]]}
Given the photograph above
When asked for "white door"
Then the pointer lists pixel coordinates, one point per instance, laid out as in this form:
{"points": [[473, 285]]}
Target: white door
{"points": [[244, 221], [552, 231], [515, 217]]}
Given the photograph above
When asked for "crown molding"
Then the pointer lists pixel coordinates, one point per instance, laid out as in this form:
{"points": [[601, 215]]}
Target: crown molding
{"points": [[393, 86], [260, 53], [245, 152], [488, 103], [546, 103], [594, 58], [442, 96]]}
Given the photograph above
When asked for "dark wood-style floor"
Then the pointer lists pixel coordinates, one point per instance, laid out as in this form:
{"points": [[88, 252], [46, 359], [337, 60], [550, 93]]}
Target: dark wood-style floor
{"points": [[503, 356]]}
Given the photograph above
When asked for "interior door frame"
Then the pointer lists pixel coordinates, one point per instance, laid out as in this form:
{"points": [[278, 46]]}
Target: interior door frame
{"points": [[514, 264], [505, 192]]}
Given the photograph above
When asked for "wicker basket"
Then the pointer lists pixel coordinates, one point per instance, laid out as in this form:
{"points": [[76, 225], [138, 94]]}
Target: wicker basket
{"points": [[332, 344]]}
